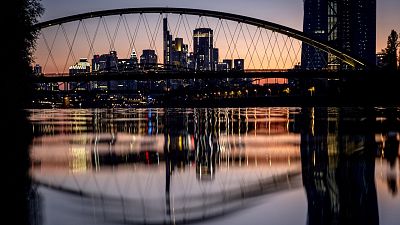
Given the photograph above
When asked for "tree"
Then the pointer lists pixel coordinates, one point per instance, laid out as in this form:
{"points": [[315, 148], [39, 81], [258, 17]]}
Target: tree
{"points": [[18, 35], [19, 44], [391, 50]]}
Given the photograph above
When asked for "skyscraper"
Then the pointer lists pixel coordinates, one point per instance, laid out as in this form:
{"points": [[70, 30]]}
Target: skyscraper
{"points": [[349, 25], [315, 24], [175, 50], [203, 49], [148, 58], [179, 53], [357, 28], [167, 43]]}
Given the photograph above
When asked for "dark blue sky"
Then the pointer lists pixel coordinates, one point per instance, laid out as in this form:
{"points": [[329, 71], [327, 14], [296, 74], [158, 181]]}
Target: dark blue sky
{"points": [[285, 12]]}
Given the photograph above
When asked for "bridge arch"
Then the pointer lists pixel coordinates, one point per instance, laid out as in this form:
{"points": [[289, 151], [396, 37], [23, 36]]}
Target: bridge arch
{"points": [[287, 31]]}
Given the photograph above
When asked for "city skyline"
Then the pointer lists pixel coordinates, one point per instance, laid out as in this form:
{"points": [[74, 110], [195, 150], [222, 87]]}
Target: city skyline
{"points": [[280, 55]]}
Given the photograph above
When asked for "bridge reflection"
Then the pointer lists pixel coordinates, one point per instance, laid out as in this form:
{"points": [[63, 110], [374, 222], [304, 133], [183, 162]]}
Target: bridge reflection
{"points": [[180, 166]]}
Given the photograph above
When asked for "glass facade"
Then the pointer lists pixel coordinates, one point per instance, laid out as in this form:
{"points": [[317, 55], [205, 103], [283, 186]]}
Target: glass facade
{"points": [[349, 25]]}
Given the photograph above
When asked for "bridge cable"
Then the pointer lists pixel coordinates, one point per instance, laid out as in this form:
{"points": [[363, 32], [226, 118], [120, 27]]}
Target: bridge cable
{"points": [[116, 31], [188, 34], [265, 49], [70, 45], [252, 45], [150, 34], [88, 39], [128, 34], [156, 31], [285, 47], [235, 44], [218, 31], [134, 36], [271, 47], [289, 47], [147, 32], [255, 44], [280, 50], [296, 55], [197, 23], [95, 35], [229, 42], [177, 26], [107, 33], [50, 49], [274, 47]]}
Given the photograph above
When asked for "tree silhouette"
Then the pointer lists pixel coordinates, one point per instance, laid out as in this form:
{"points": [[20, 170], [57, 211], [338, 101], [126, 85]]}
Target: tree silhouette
{"points": [[20, 39], [391, 50], [18, 35]]}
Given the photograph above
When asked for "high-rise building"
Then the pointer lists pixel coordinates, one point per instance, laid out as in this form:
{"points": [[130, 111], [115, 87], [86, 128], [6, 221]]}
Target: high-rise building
{"points": [[105, 62], [203, 49], [167, 43], [148, 58], [239, 64], [215, 58], [357, 28], [83, 66], [175, 51], [315, 24], [179, 53], [229, 63], [348, 25]]}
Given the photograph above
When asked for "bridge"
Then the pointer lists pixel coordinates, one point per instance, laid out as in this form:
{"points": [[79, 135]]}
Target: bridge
{"points": [[163, 55], [266, 47]]}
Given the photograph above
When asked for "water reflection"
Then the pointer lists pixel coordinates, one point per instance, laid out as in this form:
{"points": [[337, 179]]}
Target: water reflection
{"points": [[177, 166], [338, 161]]}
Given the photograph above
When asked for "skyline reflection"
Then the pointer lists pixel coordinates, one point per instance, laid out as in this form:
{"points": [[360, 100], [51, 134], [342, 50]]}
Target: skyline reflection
{"points": [[192, 165]]}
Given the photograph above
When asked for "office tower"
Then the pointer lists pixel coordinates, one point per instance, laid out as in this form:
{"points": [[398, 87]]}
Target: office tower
{"points": [[179, 53], [175, 51], [105, 62], [82, 66], [167, 45], [239, 64], [148, 58], [215, 58], [315, 24], [203, 49], [348, 25], [229, 63], [357, 28]]}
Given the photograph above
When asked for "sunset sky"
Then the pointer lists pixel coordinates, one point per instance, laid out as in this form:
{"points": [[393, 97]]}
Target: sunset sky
{"points": [[285, 12]]}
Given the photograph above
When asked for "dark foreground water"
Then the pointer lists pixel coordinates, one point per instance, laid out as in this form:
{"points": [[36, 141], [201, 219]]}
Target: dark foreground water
{"points": [[215, 166]]}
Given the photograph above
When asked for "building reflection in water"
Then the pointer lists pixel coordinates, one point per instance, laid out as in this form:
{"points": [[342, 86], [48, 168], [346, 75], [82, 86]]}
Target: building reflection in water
{"points": [[189, 165], [338, 165], [171, 161]]}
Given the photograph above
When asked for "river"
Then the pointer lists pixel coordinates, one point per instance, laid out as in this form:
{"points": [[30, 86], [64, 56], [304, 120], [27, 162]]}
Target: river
{"points": [[272, 165]]}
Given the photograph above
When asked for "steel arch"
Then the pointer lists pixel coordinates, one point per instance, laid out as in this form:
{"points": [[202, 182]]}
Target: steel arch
{"points": [[299, 35]]}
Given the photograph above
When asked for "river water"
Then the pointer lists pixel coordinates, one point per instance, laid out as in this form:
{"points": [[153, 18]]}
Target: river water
{"points": [[215, 166]]}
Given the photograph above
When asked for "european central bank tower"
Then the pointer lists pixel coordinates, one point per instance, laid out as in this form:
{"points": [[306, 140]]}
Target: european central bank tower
{"points": [[348, 25]]}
